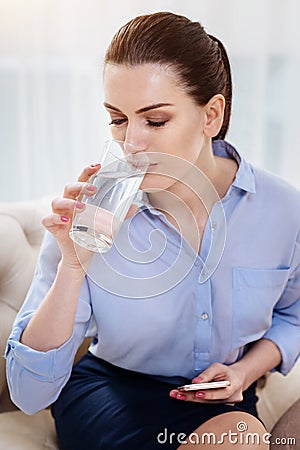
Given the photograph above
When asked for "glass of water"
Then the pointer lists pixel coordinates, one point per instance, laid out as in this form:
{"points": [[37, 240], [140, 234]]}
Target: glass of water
{"points": [[118, 180]]}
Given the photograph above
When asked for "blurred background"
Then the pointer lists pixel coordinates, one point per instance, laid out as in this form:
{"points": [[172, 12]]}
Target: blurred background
{"points": [[52, 121]]}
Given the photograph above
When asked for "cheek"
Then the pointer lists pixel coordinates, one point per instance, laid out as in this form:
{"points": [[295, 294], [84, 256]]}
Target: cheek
{"points": [[118, 133], [188, 138]]}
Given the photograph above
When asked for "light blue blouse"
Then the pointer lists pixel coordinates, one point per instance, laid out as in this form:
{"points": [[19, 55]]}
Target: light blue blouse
{"points": [[155, 306]]}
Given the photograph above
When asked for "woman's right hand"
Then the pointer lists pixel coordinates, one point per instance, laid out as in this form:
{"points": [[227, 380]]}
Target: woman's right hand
{"points": [[60, 221]]}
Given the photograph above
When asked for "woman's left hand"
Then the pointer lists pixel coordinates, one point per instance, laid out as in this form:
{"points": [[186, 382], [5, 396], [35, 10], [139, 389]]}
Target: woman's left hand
{"points": [[216, 372]]}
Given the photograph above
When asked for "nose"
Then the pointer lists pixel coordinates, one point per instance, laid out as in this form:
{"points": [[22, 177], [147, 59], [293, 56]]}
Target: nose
{"points": [[132, 148], [134, 141]]}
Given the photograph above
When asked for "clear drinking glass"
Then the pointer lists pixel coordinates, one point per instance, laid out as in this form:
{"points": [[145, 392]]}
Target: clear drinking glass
{"points": [[118, 180]]}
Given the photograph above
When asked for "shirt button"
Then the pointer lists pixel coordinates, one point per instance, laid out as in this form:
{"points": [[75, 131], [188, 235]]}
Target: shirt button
{"points": [[204, 272], [204, 316], [213, 226]]}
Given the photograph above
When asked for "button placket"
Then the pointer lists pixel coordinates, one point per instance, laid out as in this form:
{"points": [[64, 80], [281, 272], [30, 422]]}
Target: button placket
{"points": [[202, 343]]}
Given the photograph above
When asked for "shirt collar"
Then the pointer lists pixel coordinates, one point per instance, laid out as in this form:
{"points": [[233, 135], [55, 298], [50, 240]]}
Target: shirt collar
{"points": [[244, 178]]}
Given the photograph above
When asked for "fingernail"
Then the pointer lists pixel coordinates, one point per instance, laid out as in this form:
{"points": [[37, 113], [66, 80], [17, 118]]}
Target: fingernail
{"points": [[173, 394], [91, 188], [79, 205], [200, 394], [95, 165], [197, 380], [181, 397], [64, 218]]}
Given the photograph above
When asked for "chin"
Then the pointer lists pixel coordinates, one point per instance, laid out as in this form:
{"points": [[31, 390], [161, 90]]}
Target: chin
{"points": [[155, 183]]}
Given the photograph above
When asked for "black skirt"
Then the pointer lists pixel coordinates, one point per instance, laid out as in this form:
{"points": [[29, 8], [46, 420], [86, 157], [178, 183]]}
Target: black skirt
{"points": [[104, 407]]}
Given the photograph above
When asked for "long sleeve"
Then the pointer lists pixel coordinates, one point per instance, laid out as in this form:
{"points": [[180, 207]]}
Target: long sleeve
{"points": [[285, 329], [36, 378]]}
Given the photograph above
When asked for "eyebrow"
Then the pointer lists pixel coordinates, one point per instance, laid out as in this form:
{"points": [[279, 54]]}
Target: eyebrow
{"points": [[141, 110]]}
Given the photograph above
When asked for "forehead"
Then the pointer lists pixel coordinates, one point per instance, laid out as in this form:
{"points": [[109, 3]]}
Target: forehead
{"points": [[142, 84]]}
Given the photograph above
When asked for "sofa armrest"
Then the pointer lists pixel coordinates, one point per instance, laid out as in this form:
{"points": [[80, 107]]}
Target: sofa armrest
{"points": [[21, 233], [277, 395]]}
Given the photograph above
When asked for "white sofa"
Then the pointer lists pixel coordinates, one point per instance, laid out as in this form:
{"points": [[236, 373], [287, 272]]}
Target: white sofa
{"points": [[21, 233]]}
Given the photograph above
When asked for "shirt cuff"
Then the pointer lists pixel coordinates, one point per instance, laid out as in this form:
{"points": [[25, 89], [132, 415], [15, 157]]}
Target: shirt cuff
{"points": [[283, 337], [45, 366]]}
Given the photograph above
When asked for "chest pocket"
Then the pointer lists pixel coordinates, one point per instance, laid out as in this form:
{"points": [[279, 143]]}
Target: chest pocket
{"points": [[255, 293]]}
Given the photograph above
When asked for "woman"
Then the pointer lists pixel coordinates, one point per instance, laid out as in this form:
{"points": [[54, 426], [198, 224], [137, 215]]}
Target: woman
{"points": [[201, 284]]}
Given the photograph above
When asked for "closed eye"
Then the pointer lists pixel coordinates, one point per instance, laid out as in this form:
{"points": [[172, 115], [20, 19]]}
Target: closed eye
{"points": [[117, 121], [156, 124], [150, 123]]}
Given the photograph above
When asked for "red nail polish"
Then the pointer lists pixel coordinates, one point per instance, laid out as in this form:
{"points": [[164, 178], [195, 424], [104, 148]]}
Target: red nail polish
{"points": [[181, 397], [64, 218], [95, 165], [79, 205], [173, 394], [200, 394], [91, 188], [197, 380]]}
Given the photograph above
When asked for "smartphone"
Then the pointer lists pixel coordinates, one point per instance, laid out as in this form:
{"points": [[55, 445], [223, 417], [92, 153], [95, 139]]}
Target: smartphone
{"points": [[203, 386]]}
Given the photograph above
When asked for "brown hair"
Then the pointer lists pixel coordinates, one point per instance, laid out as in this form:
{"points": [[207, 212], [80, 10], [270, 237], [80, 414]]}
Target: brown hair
{"points": [[200, 60]]}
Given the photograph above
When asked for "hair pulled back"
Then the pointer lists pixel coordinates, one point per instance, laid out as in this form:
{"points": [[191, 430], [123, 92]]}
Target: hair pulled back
{"points": [[199, 59]]}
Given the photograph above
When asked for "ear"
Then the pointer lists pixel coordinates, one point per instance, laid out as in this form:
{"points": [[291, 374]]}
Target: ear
{"points": [[214, 114]]}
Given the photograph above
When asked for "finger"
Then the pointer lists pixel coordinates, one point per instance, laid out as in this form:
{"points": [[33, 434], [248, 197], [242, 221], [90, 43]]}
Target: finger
{"points": [[215, 372], [217, 397], [206, 396], [178, 395], [89, 171], [54, 219], [221, 394], [188, 396], [73, 190], [132, 210], [66, 206]]}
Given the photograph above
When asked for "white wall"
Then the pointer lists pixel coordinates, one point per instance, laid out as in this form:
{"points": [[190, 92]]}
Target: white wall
{"points": [[51, 117]]}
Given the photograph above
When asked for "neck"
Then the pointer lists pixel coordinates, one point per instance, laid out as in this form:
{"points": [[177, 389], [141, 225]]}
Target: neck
{"points": [[200, 185], [187, 203]]}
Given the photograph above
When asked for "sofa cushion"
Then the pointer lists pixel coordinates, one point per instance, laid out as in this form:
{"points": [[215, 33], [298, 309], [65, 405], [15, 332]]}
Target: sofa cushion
{"points": [[21, 432], [277, 395]]}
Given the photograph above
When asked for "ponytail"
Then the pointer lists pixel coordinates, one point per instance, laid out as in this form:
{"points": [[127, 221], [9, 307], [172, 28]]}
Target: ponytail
{"points": [[227, 90]]}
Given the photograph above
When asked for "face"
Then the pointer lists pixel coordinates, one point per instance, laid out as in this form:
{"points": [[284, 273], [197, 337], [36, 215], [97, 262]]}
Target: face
{"points": [[149, 111]]}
